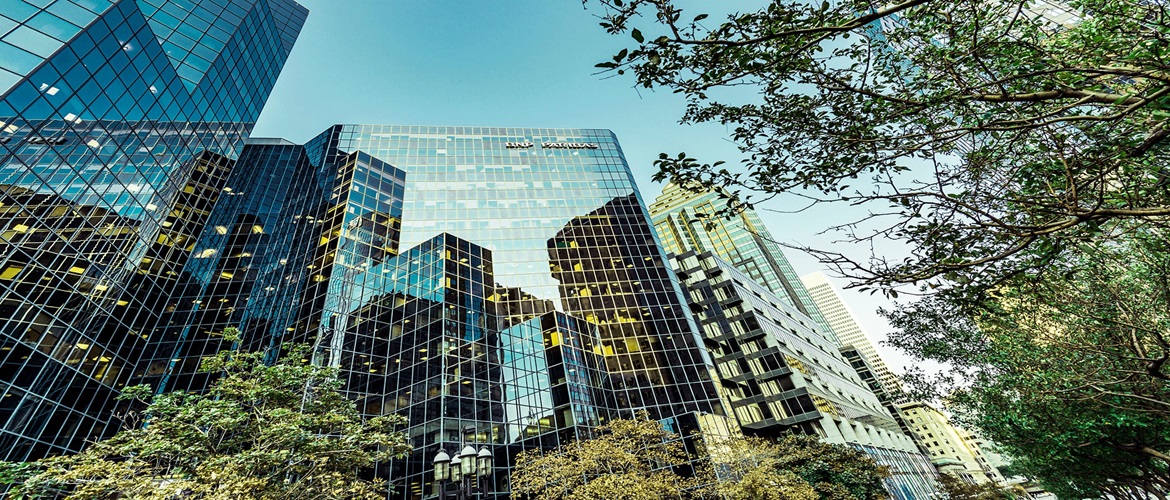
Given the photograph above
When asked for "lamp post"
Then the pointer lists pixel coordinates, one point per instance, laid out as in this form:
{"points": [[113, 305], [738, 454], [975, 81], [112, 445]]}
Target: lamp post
{"points": [[460, 469]]}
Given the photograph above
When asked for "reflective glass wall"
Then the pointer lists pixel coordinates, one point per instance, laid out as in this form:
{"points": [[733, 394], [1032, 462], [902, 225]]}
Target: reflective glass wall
{"points": [[119, 123], [499, 286]]}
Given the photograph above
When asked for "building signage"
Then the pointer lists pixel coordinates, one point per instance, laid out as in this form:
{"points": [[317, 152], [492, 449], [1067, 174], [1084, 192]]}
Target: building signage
{"points": [[552, 145], [570, 145]]}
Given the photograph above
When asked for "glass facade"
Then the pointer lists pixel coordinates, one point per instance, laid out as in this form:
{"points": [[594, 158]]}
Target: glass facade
{"points": [[502, 286], [119, 124], [686, 221]]}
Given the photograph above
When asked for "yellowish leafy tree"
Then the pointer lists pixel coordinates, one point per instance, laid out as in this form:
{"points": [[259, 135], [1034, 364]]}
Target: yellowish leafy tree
{"points": [[750, 469], [631, 459], [639, 460], [267, 431]]}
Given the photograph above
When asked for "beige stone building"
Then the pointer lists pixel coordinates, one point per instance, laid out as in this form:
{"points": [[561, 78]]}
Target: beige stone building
{"points": [[953, 450]]}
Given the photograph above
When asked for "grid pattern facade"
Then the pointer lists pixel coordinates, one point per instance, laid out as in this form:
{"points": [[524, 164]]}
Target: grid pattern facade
{"points": [[952, 449], [502, 280], [780, 374], [112, 158], [686, 221], [849, 330]]}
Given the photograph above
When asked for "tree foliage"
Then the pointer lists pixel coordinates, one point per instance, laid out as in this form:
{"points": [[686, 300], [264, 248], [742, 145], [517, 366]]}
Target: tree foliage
{"points": [[985, 137], [1022, 161], [836, 472], [280, 430], [630, 459], [1065, 368], [958, 489], [639, 460], [752, 468]]}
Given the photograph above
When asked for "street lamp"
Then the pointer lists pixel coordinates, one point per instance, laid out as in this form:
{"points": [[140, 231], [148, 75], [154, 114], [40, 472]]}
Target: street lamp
{"points": [[460, 469], [484, 462], [456, 470], [442, 465], [467, 460]]}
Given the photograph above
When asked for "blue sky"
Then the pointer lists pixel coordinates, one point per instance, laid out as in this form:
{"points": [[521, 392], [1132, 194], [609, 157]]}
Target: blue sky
{"points": [[522, 63]]}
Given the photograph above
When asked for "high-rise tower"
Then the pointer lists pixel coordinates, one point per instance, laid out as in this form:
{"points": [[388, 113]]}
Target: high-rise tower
{"points": [[849, 329], [119, 121], [504, 281], [780, 374], [689, 220]]}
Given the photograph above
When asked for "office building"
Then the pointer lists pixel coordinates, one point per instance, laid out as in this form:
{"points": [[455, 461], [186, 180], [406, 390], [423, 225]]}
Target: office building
{"points": [[691, 220], [953, 450], [119, 121], [849, 330], [496, 285], [780, 373]]}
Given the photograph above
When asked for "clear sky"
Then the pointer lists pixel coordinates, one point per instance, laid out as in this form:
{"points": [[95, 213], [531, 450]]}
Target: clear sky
{"points": [[519, 63]]}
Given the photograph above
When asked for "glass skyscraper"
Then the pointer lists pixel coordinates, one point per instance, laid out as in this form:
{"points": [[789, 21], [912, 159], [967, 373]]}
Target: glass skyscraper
{"points": [[689, 221], [119, 124], [502, 286]]}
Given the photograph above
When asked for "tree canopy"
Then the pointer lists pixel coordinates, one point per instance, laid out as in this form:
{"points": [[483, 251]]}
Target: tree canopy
{"points": [[1065, 368], [985, 136], [630, 459], [835, 471], [280, 430], [636, 459], [1017, 149], [957, 489]]}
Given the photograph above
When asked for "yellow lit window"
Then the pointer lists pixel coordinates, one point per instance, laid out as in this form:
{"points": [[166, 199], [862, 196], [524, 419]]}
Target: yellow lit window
{"points": [[10, 272]]}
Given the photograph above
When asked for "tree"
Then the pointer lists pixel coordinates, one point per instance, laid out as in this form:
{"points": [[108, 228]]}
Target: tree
{"points": [[751, 468], [638, 459], [836, 472], [280, 430], [958, 489], [987, 138], [630, 459], [1021, 159], [1065, 368]]}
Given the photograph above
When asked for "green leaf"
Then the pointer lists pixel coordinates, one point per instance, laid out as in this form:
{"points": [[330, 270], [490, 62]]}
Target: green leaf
{"points": [[637, 35]]}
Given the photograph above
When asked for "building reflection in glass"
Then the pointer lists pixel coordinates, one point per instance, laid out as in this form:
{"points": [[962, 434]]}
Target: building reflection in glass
{"points": [[115, 129], [480, 321]]}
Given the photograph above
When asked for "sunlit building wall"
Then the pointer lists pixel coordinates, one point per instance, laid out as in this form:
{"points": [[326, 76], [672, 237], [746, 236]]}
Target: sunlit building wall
{"points": [[952, 449], [781, 374], [849, 330], [693, 220]]}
